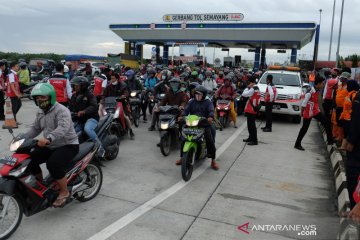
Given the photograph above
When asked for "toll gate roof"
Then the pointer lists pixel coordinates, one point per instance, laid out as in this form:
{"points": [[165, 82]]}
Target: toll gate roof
{"points": [[277, 35]]}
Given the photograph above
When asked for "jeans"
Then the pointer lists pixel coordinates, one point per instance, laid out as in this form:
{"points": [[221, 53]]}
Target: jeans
{"points": [[89, 128]]}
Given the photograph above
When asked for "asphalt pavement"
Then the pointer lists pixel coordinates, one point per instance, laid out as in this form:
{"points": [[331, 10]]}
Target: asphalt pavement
{"points": [[269, 191]]}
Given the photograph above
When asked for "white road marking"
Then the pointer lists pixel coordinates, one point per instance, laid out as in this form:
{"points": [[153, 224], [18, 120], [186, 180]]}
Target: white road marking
{"points": [[141, 210]]}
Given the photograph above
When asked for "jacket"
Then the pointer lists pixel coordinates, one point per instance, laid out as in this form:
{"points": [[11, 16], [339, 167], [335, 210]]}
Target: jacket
{"points": [[174, 99], [56, 124], [203, 108], [84, 102], [226, 92]]}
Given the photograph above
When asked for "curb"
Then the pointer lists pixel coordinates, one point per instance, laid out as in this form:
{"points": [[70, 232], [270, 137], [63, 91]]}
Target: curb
{"points": [[348, 230]]}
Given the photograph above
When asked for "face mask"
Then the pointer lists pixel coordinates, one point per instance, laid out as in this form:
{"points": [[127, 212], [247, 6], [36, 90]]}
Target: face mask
{"points": [[114, 83], [208, 78], [43, 104], [163, 77], [198, 97], [183, 89]]}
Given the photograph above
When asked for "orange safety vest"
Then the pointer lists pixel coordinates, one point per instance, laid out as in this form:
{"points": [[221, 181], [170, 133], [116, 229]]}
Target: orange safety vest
{"points": [[312, 77], [347, 108], [341, 94]]}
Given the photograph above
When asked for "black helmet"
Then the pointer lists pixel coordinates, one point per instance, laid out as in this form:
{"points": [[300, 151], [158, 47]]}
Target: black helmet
{"points": [[22, 65], [201, 89], [80, 80], [184, 75]]}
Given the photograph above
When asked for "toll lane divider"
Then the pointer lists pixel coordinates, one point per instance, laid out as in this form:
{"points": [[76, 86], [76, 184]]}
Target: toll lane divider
{"points": [[348, 230]]}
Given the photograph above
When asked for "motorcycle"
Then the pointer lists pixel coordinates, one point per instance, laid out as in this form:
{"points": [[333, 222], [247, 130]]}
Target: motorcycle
{"points": [[194, 148], [115, 106], [169, 129], [22, 193], [223, 112], [135, 105], [109, 140]]}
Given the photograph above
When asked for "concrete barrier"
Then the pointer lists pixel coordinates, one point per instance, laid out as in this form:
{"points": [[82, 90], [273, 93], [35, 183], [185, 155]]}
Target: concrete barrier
{"points": [[348, 230]]}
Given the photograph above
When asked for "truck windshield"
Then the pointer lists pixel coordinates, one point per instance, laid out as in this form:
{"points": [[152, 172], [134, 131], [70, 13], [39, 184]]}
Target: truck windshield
{"points": [[282, 79]]}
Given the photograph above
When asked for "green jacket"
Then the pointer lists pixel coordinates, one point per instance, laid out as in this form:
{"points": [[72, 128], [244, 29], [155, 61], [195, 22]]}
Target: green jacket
{"points": [[24, 76]]}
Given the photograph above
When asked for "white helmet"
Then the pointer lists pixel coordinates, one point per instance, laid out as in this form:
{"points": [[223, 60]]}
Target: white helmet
{"points": [[66, 69]]}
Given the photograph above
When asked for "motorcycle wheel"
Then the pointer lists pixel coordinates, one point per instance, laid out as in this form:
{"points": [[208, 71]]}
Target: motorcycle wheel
{"points": [[135, 118], [12, 207], [222, 121], [111, 147], [114, 130], [165, 144], [186, 164], [92, 185]]}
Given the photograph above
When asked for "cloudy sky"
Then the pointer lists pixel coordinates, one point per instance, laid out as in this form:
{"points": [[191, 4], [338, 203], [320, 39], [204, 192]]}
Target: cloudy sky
{"points": [[82, 26]]}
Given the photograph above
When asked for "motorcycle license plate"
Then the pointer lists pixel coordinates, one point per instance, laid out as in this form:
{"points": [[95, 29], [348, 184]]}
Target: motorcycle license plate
{"points": [[192, 131], [8, 160], [276, 107]]}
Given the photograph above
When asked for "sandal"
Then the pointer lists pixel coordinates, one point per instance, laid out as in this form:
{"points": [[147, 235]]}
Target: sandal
{"points": [[61, 201]]}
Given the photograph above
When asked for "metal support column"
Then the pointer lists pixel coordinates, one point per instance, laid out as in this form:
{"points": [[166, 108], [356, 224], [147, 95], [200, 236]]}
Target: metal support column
{"points": [[257, 59]]}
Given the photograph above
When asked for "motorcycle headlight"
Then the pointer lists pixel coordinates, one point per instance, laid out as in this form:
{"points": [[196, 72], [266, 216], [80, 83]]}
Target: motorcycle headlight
{"points": [[218, 108], [164, 125], [133, 94], [192, 124], [15, 145], [226, 108], [117, 113]]}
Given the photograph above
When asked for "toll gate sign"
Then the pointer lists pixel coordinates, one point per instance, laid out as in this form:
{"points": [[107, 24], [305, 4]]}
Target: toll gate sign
{"points": [[207, 17]]}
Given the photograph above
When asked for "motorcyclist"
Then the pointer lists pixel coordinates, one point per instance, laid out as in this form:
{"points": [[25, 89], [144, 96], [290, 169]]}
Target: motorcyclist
{"points": [[150, 83], [59, 144], [220, 78], [87, 70], [203, 107], [209, 83], [39, 68], [117, 69], [227, 92], [84, 105], [191, 89], [195, 77], [172, 97], [131, 81], [117, 88]]}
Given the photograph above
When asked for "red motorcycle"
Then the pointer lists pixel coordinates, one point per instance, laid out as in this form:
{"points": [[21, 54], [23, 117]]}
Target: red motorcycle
{"points": [[115, 105], [22, 193], [223, 111]]}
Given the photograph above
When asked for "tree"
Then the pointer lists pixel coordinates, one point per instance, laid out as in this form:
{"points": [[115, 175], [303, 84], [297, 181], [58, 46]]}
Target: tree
{"points": [[13, 56], [354, 59]]}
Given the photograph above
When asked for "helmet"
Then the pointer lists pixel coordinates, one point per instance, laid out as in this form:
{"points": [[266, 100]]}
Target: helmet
{"points": [[166, 73], [44, 89], [201, 89], [193, 85], [129, 73], [117, 65], [208, 73], [151, 71], [227, 78], [22, 60], [22, 64], [221, 73], [194, 73], [174, 84], [80, 80], [184, 75], [66, 69]]}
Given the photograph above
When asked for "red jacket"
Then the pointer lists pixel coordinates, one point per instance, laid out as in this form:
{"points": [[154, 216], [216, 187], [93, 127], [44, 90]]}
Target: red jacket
{"points": [[253, 101], [312, 105], [226, 92]]}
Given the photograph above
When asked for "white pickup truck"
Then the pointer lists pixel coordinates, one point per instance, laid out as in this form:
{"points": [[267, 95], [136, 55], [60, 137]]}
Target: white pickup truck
{"points": [[289, 86]]}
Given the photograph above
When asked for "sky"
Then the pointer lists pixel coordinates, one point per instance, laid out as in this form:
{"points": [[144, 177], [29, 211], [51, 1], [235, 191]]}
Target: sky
{"points": [[82, 26]]}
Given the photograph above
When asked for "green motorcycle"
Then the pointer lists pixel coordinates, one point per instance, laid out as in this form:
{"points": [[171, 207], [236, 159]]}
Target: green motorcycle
{"points": [[194, 148]]}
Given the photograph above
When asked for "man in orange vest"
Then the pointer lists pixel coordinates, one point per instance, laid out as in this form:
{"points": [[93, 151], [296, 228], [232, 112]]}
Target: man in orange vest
{"points": [[312, 78], [13, 89], [61, 85], [251, 110]]}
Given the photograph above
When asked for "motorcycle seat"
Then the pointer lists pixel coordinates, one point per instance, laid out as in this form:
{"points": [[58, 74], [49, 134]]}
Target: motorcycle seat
{"points": [[84, 148]]}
